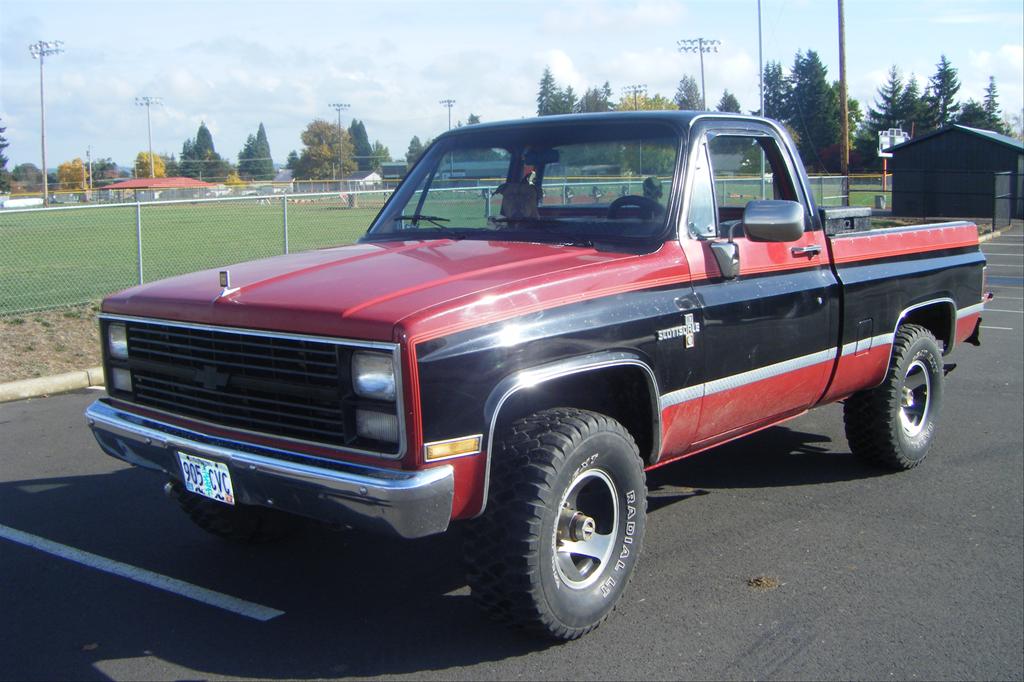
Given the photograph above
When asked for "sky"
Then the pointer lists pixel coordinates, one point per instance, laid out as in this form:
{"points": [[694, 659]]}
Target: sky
{"points": [[235, 64]]}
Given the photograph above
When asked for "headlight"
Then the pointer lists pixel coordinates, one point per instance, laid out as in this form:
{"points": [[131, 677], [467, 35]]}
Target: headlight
{"points": [[373, 375], [117, 341]]}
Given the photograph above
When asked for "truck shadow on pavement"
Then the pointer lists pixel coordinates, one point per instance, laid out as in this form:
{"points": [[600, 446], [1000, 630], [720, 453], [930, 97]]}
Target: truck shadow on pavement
{"points": [[355, 604]]}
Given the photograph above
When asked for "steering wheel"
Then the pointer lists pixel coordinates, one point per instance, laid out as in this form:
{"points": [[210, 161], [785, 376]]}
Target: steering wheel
{"points": [[648, 207]]}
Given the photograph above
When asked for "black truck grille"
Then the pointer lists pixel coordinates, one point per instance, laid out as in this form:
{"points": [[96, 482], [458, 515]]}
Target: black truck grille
{"points": [[292, 387]]}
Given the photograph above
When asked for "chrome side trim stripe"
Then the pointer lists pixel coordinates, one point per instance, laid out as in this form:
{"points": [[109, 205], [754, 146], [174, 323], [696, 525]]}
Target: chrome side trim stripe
{"points": [[969, 310], [737, 380], [865, 344]]}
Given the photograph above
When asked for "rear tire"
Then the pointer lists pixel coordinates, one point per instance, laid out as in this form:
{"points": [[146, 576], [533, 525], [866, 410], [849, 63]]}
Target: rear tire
{"points": [[243, 524], [561, 480], [893, 425]]}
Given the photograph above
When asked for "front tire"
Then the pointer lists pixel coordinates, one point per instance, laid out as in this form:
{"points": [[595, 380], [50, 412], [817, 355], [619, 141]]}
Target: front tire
{"points": [[564, 523], [893, 425]]}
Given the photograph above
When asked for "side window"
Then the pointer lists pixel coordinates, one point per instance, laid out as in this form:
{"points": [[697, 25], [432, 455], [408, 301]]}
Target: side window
{"points": [[745, 168], [700, 217]]}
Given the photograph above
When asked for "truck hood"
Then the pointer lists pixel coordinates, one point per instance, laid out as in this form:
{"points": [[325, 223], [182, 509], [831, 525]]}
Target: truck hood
{"points": [[359, 291]]}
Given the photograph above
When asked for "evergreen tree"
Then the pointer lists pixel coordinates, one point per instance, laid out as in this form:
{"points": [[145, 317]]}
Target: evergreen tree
{"points": [[472, 119], [688, 94], [5, 176], [991, 107], [777, 92], [729, 103], [973, 114], [595, 100], [913, 110], [292, 161], [815, 108], [890, 104], [199, 158], [547, 94], [942, 88], [414, 152], [262, 160], [171, 167], [361, 145]]}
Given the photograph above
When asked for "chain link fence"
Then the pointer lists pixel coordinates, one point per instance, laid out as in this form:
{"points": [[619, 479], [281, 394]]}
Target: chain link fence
{"points": [[77, 254]]}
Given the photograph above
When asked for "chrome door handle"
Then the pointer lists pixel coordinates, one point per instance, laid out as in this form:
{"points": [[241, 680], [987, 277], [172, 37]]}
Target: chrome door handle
{"points": [[812, 250]]}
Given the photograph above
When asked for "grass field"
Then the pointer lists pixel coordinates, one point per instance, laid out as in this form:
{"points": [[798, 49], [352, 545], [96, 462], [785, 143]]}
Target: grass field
{"points": [[54, 258], [51, 258]]}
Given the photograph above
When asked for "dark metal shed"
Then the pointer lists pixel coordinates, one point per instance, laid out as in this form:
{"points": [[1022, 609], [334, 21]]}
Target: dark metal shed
{"points": [[959, 171]]}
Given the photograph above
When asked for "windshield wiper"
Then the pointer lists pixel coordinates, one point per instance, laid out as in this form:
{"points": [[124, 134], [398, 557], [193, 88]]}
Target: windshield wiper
{"points": [[435, 220]]}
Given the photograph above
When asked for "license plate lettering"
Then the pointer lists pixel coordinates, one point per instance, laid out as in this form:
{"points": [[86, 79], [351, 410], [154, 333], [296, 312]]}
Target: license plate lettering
{"points": [[207, 478]]}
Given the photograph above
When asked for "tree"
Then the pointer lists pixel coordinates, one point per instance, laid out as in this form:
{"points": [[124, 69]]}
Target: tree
{"points": [[729, 103], [595, 100], [104, 169], [71, 174], [171, 167], [234, 179], [292, 161], [688, 94], [777, 92], [27, 174], [363, 150], [5, 176], [942, 89], [913, 110], [991, 106], [254, 161], [414, 152], [815, 108], [471, 120], [200, 160], [142, 166], [382, 154], [547, 94], [325, 147]]}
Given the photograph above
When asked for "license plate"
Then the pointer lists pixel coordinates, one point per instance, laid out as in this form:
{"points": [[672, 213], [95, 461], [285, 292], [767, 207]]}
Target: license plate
{"points": [[207, 478]]}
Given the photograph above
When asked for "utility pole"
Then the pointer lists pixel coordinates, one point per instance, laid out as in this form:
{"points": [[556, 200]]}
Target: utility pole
{"points": [[634, 90], [448, 103], [147, 101], [700, 46], [88, 158], [40, 50], [339, 107], [844, 104]]}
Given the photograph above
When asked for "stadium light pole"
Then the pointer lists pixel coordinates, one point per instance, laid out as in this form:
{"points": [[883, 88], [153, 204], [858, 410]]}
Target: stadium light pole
{"points": [[448, 103], [339, 107], [41, 49], [147, 101], [700, 46], [634, 90]]}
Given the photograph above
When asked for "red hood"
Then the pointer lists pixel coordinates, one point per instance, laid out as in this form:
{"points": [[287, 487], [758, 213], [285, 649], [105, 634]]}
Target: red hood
{"points": [[364, 290]]}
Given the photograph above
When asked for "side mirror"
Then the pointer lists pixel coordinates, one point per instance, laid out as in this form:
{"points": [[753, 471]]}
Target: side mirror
{"points": [[773, 220]]}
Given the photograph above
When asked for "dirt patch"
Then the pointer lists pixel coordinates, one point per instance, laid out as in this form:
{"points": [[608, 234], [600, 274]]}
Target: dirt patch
{"points": [[50, 342], [763, 583]]}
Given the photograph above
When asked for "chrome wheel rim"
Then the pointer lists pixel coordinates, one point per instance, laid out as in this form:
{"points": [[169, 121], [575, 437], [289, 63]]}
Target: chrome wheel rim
{"points": [[586, 528], [915, 398]]}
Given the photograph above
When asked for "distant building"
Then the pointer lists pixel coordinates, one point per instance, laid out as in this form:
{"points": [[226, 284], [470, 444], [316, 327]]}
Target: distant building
{"points": [[958, 171], [151, 189], [363, 180]]}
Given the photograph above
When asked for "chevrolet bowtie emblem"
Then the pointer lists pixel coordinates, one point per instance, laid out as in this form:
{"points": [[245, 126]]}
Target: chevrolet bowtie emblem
{"points": [[689, 329], [210, 378]]}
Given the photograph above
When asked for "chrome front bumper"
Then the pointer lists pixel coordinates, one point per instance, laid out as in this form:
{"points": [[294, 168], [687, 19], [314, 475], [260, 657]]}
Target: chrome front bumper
{"points": [[410, 504]]}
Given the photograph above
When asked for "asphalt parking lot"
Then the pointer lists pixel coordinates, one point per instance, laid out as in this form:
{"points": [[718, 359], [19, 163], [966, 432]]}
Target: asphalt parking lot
{"points": [[918, 575]]}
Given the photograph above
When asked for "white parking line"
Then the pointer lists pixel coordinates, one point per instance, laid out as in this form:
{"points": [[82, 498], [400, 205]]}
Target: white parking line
{"points": [[1002, 265], [1005, 329], [1005, 253], [999, 310], [141, 575]]}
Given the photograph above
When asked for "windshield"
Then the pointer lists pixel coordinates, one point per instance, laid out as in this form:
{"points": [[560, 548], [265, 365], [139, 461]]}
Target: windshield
{"points": [[582, 183]]}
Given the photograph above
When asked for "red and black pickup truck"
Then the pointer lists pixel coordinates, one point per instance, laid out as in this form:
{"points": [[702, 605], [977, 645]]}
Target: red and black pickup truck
{"points": [[542, 311]]}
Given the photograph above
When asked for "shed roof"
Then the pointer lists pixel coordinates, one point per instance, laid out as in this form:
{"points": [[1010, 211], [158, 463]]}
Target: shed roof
{"points": [[159, 183], [987, 134]]}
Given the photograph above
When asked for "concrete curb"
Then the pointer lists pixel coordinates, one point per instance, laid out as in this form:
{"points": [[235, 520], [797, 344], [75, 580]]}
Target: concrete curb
{"points": [[58, 383], [72, 381]]}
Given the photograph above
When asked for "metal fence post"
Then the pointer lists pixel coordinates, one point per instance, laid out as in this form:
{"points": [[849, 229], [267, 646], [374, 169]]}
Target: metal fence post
{"points": [[284, 215], [138, 236]]}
